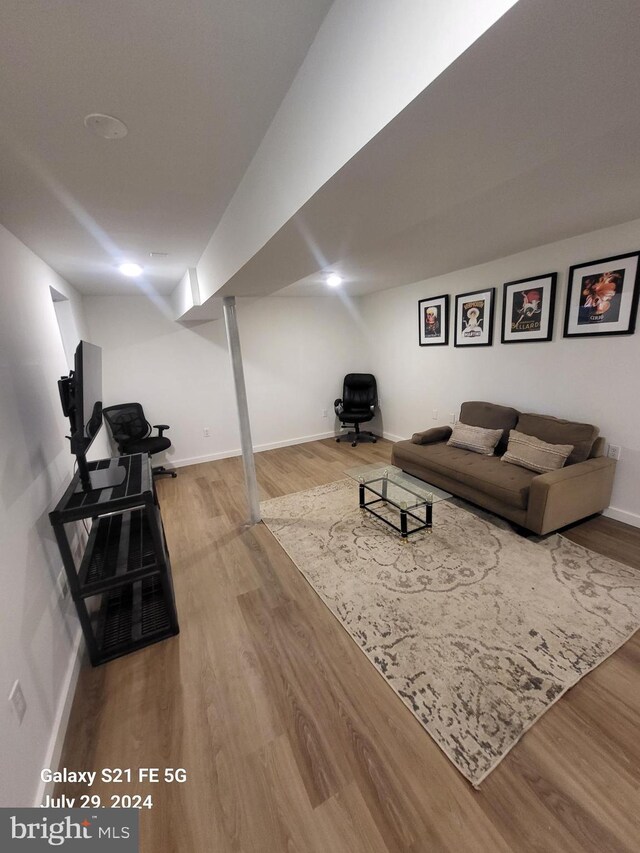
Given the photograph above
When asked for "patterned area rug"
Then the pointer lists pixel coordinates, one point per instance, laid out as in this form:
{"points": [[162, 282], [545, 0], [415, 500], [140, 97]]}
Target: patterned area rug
{"points": [[477, 629]]}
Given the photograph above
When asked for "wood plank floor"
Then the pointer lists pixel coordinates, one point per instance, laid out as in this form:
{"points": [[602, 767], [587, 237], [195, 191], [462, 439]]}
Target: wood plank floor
{"points": [[291, 739]]}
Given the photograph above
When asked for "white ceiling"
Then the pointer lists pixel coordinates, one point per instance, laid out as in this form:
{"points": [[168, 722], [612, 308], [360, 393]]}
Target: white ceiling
{"points": [[197, 82], [532, 136]]}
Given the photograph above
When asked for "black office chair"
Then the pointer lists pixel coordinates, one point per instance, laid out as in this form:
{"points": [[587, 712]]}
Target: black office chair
{"points": [[132, 433], [357, 406]]}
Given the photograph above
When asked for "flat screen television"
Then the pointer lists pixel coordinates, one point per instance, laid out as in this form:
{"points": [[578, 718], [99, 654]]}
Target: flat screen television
{"points": [[81, 398]]}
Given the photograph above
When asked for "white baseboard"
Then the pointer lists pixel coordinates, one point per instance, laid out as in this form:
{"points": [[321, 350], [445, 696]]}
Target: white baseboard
{"points": [[259, 448], [56, 742], [631, 518], [391, 437], [291, 441]]}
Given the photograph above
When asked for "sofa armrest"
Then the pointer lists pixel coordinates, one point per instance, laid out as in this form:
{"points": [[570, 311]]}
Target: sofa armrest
{"points": [[561, 497], [431, 436]]}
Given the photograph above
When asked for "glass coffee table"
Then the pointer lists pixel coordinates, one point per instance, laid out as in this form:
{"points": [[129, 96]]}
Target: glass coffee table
{"points": [[403, 502]]}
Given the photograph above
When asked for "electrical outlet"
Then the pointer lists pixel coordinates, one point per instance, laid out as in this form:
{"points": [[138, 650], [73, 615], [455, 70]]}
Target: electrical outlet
{"points": [[63, 586], [452, 417], [614, 451], [325, 413], [435, 415], [206, 432], [18, 702]]}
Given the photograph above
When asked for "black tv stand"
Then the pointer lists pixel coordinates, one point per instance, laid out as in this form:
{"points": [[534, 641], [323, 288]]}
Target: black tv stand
{"points": [[121, 585]]}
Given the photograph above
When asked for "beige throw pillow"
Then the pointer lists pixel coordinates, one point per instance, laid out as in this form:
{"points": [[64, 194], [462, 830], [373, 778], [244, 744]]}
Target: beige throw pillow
{"points": [[535, 454], [473, 438]]}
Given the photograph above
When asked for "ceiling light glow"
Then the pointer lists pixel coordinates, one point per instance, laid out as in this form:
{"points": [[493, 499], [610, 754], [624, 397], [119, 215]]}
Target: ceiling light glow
{"points": [[334, 280], [130, 270]]}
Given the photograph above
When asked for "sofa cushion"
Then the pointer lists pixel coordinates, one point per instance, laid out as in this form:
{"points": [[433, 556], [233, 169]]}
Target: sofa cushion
{"points": [[476, 439], [557, 431], [428, 436], [533, 453], [507, 483], [490, 416]]}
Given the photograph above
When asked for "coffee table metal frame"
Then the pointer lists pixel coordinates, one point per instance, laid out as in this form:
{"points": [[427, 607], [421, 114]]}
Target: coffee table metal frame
{"points": [[379, 486]]}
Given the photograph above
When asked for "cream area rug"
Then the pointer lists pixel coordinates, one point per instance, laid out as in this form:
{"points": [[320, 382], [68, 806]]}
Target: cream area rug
{"points": [[477, 629]]}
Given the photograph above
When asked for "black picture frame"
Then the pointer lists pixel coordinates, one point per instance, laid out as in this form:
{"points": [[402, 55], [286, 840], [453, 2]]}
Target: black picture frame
{"points": [[474, 322], [528, 309], [602, 297], [437, 333]]}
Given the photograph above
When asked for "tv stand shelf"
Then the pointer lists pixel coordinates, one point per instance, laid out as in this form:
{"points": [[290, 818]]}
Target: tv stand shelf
{"points": [[120, 549], [122, 587], [131, 617]]}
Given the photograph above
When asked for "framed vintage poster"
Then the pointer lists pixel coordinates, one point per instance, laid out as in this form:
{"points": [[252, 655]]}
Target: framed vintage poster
{"points": [[474, 318], [527, 309], [433, 321], [602, 297]]}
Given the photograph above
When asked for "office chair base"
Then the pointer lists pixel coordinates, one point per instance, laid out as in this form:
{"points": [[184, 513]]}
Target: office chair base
{"points": [[160, 470], [355, 437]]}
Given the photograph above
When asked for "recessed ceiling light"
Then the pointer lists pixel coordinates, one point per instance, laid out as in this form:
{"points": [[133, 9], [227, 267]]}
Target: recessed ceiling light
{"points": [[108, 127], [158, 254], [131, 270], [334, 280]]}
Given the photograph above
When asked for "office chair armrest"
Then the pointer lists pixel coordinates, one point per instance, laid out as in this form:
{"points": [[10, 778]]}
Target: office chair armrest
{"points": [[161, 428], [337, 406]]}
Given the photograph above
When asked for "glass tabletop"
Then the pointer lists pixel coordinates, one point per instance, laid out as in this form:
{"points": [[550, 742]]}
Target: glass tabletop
{"points": [[392, 484]]}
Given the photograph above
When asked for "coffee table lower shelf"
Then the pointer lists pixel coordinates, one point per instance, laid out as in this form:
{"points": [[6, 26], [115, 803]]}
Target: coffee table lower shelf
{"points": [[405, 513]]}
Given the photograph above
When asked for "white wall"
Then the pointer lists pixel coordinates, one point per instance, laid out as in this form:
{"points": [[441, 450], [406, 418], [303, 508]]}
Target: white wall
{"points": [[38, 636], [295, 352], [586, 379], [365, 65]]}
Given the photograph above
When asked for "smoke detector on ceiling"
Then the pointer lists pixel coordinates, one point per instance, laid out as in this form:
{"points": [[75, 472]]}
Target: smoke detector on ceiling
{"points": [[108, 127]]}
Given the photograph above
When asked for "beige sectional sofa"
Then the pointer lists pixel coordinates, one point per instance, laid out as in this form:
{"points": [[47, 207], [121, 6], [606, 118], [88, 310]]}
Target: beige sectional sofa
{"points": [[538, 502]]}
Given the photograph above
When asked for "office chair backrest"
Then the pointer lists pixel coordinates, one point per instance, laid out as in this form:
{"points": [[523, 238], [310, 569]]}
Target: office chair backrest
{"points": [[127, 422], [359, 391]]}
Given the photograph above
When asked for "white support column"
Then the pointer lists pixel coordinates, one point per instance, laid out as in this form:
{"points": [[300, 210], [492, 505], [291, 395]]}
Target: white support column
{"points": [[231, 324]]}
